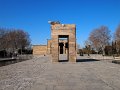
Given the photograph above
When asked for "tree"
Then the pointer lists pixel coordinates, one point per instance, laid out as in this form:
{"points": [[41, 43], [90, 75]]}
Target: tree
{"points": [[88, 46], [117, 39], [3, 42], [13, 39], [3, 39], [114, 50], [100, 37], [108, 50], [18, 39]]}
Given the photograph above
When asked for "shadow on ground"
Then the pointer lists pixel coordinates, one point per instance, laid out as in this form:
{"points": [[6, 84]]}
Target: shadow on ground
{"points": [[63, 60], [10, 61], [86, 60], [81, 60], [116, 61]]}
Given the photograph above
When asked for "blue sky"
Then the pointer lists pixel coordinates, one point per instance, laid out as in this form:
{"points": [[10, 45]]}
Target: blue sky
{"points": [[33, 16]]}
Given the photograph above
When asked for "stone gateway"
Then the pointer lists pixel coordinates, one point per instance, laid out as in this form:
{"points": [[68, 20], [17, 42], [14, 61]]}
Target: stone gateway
{"points": [[63, 41]]}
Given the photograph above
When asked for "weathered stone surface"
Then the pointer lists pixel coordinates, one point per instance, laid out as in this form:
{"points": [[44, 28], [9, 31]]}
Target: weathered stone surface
{"points": [[49, 43], [39, 49]]}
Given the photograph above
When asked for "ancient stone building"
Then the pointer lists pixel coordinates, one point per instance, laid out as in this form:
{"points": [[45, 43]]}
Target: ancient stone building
{"points": [[63, 41], [65, 31]]}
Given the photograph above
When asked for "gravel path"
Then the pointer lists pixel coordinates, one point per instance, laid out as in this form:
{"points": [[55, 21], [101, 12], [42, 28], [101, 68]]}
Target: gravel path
{"points": [[40, 74]]}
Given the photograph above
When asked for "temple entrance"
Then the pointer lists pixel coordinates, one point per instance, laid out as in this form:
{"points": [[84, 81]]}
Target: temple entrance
{"points": [[63, 48], [63, 42]]}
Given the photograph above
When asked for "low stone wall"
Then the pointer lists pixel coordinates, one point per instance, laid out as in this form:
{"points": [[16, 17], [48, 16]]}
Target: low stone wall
{"points": [[19, 58], [24, 57], [101, 57]]}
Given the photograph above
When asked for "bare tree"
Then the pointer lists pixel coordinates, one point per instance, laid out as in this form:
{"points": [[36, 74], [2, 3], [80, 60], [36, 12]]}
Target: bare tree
{"points": [[100, 38], [1, 38], [13, 39], [18, 39], [3, 41], [117, 39]]}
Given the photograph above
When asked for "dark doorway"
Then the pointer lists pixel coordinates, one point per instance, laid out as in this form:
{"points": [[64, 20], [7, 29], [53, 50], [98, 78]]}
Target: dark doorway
{"points": [[61, 47], [66, 45]]}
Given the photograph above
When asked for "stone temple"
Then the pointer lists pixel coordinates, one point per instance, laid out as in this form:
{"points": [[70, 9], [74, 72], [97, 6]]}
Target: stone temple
{"points": [[63, 41]]}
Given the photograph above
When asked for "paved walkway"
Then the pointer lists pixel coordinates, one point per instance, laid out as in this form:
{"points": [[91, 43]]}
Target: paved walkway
{"points": [[40, 74]]}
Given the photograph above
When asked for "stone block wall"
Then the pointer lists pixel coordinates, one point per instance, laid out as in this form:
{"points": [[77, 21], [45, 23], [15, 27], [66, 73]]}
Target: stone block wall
{"points": [[39, 49], [49, 42]]}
